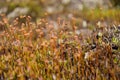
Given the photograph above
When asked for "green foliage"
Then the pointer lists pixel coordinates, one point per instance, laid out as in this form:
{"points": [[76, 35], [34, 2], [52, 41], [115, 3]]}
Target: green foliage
{"points": [[99, 14], [35, 7]]}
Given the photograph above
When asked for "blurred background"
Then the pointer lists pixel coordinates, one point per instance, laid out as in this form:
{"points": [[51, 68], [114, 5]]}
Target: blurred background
{"points": [[56, 8]]}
